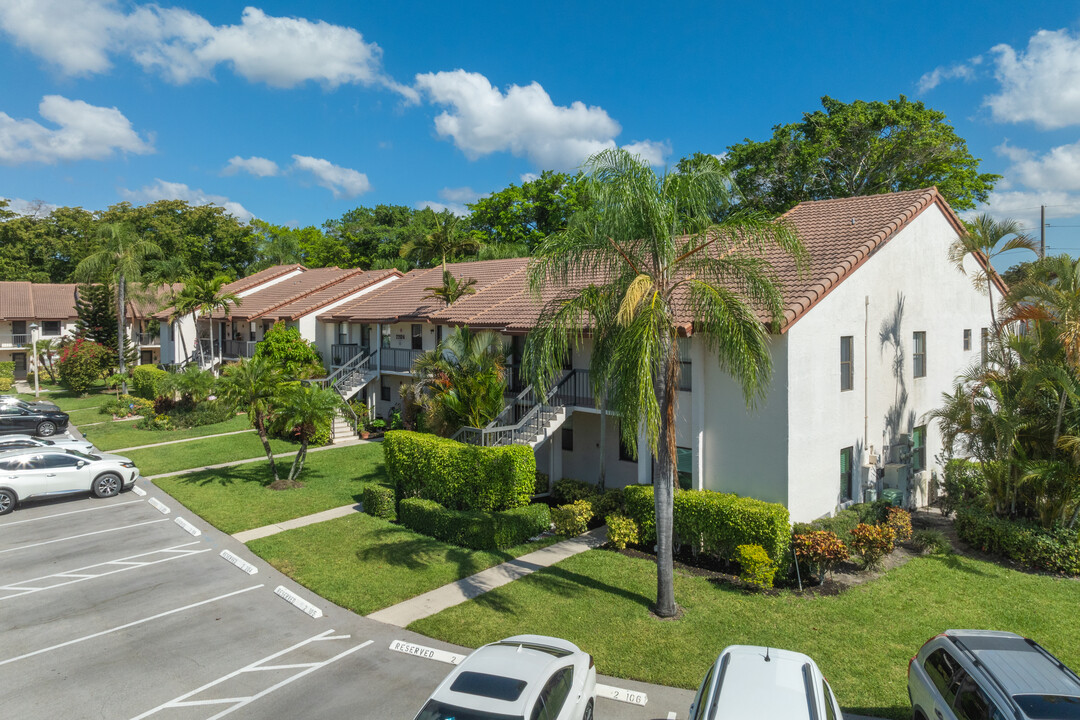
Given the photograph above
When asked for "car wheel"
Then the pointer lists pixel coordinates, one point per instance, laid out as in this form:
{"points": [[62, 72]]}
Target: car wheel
{"points": [[106, 485], [7, 501], [46, 429], [588, 712]]}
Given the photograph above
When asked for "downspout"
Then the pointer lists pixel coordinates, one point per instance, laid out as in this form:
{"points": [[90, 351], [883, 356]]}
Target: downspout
{"points": [[865, 373]]}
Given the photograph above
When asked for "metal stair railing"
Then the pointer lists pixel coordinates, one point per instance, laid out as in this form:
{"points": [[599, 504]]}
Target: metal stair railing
{"points": [[357, 366], [525, 431]]}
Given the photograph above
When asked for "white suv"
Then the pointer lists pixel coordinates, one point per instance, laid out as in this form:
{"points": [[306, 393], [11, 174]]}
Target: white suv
{"points": [[44, 473], [56, 442]]}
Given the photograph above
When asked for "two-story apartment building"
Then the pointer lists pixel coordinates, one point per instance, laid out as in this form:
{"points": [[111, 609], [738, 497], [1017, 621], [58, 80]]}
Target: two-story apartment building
{"points": [[50, 306]]}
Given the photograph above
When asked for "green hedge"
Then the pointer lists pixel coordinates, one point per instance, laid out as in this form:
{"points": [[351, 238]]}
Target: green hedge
{"points": [[456, 475], [1049, 550], [7, 369], [149, 382], [474, 529], [719, 522], [378, 502]]}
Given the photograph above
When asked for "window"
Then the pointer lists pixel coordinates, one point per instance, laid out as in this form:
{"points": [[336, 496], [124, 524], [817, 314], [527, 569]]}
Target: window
{"points": [[918, 448], [685, 376], [847, 363], [553, 695], [625, 453], [384, 392], [985, 341], [971, 702], [50, 328], [830, 710], [385, 340], [967, 340], [342, 333], [846, 473], [943, 670], [919, 355], [568, 439], [55, 460], [684, 466], [417, 337], [699, 702]]}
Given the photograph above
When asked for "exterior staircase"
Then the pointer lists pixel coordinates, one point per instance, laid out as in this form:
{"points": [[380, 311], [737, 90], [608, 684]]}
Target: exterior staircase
{"points": [[343, 428], [347, 380], [526, 420]]}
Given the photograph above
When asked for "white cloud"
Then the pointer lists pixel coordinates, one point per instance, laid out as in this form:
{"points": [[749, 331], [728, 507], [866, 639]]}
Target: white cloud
{"points": [[1041, 84], [529, 177], [1056, 169], [257, 166], [1023, 205], [960, 71], [342, 181], [524, 121], [84, 132], [80, 38], [460, 194], [454, 200], [31, 208], [163, 190], [651, 152]]}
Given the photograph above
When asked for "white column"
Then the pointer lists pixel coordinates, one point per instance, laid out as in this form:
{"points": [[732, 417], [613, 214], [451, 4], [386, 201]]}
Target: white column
{"points": [[644, 457], [555, 464], [697, 411]]}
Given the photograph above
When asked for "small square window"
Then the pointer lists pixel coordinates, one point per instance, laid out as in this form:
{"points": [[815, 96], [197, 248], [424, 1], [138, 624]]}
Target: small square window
{"points": [[568, 439], [847, 363], [384, 392], [967, 340], [919, 354], [625, 453], [50, 328], [847, 474]]}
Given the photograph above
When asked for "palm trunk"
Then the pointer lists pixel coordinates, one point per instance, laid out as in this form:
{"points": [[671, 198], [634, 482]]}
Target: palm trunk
{"points": [[120, 318], [603, 439], [260, 427], [298, 462], [664, 488]]}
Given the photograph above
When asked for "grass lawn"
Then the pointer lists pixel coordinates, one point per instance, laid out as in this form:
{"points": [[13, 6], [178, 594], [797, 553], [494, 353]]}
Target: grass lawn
{"points": [[862, 639], [237, 498], [69, 401], [209, 451], [124, 434], [365, 563]]}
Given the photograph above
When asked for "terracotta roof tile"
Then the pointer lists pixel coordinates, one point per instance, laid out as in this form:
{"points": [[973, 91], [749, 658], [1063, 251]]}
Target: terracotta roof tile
{"points": [[287, 291], [312, 301], [37, 301], [246, 283]]}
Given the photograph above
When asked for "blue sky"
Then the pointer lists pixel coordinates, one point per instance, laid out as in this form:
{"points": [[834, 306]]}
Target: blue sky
{"points": [[297, 112]]}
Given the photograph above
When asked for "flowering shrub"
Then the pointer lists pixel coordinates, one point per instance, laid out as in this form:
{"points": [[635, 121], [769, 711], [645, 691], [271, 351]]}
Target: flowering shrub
{"points": [[821, 548], [872, 543], [900, 521], [81, 364], [621, 531], [758, 569]]}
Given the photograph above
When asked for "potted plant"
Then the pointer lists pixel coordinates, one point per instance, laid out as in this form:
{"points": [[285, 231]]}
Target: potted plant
{"points": [[378, 426]]}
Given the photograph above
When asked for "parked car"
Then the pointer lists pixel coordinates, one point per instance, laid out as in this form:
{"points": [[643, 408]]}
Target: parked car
{"points": [[28, 404], [26, 442], [43, 473], [525, 677], [747, 681], [33, 421], [989, 675]]}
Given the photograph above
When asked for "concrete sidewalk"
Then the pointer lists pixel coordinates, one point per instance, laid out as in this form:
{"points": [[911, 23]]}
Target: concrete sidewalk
{"points": [[473, 586], [268, 530], [190, 439]]}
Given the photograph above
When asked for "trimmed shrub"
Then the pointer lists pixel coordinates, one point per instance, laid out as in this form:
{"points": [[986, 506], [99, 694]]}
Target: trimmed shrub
{"points": [[378, 502], [542, 484], [757, 568], [569, 490], [964, 482], [900, 522], [610, 502], [931, 542], [149, 382], [127, 406], [154, 422], [6, 384], [872, 543], [203, 414], [459, 476], [822, 549], [641, 507], [621, 531], [7, 369], [840, 524], [873, 513], [1055, 550], [474, 529], [573, 518]]}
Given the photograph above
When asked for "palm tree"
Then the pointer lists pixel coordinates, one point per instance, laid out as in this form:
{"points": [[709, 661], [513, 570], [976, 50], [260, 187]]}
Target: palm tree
{"points": [[634, 268], [445, 240], [305, 409], [193, 384], [462, 381], [122, 258], [252, 386], [452, 289], [984, 239], [205, 297]]}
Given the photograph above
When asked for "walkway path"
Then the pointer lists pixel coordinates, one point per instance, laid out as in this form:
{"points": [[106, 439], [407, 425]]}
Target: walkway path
{"points": [[473, 586], [347, 443], [268, 530], [184, 440]]}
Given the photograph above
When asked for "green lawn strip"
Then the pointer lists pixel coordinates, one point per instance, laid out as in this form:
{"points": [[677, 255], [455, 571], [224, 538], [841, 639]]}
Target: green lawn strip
{"points": [[861, 639], [207, 451], [237, 498], [365, 563], [68, 401], [119, 435]]}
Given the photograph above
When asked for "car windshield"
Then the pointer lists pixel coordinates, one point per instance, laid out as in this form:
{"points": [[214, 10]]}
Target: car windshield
{"points": [[497, 687], [1049, 707], [557, 652], [78, 454], [435, 710]]}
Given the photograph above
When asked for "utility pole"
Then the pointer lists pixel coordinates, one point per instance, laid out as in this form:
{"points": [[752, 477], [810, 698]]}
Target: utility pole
{"points": [[1042, 232]]}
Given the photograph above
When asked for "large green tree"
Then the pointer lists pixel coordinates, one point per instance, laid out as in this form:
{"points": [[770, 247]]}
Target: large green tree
{"points": [[372, 234], [526, 214], [445, 239], [95, 305], [641, 259], [858, 148]]}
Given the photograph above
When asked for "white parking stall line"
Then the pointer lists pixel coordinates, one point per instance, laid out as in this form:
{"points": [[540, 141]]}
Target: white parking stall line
{"points": [[70, 512], [76, 537], [26, 587], [125, 626], [239, 702]]}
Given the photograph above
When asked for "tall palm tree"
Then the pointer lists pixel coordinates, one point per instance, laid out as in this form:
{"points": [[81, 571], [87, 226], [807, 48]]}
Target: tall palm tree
{"points": [[984, 240], [445, 240], [632, 268], [304, 409], [452, 289], [462, 381], [205, 297], [252, 386], [122, 258]]}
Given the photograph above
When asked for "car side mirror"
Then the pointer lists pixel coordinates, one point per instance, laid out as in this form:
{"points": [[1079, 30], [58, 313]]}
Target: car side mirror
{"points": [[82, 463]]}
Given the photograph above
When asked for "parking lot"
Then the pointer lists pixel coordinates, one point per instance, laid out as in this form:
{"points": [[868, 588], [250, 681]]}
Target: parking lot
{"points": [[111, 609]]}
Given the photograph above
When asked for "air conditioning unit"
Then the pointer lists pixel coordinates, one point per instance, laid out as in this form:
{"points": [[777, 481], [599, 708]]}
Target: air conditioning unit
{"points": [[896, 475]]}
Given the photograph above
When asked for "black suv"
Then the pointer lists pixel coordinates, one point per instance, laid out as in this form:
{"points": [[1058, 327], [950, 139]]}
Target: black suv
{"points": [[43, 422]]}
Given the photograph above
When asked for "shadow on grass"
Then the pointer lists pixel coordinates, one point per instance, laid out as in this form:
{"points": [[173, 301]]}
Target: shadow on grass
{"points": [[257, 472], [954, 561], [396, 545], [563, 583]]}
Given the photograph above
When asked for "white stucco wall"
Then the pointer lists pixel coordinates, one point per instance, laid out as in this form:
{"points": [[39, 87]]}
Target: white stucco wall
{"points": [[937, 299]]}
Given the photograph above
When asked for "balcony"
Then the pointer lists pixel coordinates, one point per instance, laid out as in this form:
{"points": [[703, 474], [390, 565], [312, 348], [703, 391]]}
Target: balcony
{"points": [[14, 339], [398, 359], [340, 354], [147, 339], [240, 348]]}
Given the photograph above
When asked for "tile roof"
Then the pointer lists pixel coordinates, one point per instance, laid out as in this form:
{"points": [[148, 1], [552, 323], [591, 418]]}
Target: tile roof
{"points": [[286, 291], [37, 301], [250, 281], [314, 298], [152, 302]]}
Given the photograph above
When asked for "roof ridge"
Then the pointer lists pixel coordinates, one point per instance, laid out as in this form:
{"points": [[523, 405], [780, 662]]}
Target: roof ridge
{"points": [[305, 292], [387, 272]]}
